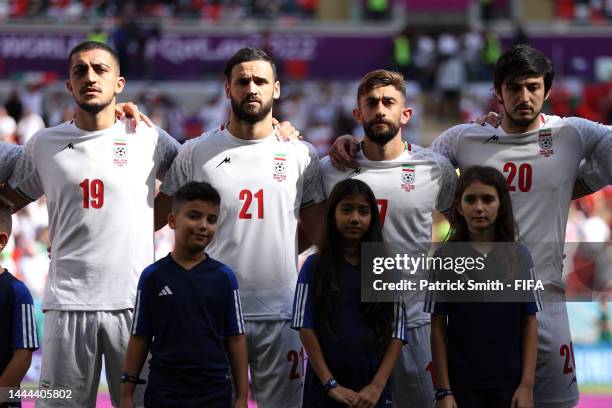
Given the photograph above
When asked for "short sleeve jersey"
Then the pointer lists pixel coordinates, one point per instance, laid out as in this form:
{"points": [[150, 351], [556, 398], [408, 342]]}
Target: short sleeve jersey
{"points": [[100, 188], [408, 189], [263, 184], [189, 314], [9, 153], [541, 167], [17, 323]]}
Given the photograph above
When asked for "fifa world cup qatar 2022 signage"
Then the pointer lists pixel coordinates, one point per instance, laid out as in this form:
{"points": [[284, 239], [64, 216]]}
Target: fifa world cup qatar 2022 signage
{"points": [[194, 57]]}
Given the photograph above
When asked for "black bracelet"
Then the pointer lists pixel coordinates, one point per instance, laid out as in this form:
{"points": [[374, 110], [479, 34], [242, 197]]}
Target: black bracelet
{"points": [[127, 378], [442, 393]]}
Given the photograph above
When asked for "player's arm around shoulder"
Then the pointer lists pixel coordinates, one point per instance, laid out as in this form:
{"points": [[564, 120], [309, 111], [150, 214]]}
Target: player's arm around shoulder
{"points": [[447, 143]]}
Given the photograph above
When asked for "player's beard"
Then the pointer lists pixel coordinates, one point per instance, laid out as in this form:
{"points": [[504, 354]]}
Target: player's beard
{"points": [[251, 117], [381, 137], [522, 121]]}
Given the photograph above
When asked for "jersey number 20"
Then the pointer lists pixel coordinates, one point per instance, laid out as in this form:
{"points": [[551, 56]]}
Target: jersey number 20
{"points": [[524, 173], [93, 193]]}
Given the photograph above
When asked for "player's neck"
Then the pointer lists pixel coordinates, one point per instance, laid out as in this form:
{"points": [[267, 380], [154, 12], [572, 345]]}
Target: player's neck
{"points": [[375, 152], [511, 127], [99, 121], [187, 259], [250, 131]]}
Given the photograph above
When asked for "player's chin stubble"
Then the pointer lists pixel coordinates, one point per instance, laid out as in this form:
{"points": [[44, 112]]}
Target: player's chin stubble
{"points": [[251, 117]]}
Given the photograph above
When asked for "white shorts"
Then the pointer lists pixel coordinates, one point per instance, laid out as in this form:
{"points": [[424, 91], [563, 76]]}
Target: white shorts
{"points": [[555, 379], [411, 382], [74, 343], [276, 360]]}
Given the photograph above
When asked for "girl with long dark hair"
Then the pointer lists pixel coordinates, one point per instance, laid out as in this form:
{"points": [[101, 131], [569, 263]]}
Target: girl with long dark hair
{"points": [[352, 346], [484, 354]]}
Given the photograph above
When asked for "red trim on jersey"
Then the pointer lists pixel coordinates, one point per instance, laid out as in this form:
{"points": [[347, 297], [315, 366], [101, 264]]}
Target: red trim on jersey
{"points": [[409, 147], [542, 118]]}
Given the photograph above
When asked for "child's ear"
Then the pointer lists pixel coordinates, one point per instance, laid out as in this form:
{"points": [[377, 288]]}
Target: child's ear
{"points": [[4, 237], [172, 221]]}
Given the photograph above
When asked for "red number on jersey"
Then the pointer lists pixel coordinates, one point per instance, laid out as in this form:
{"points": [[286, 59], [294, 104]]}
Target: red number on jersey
{"points": [[524, 176], [247, 196], [568, 352], [295, 359], [382, 209], [430, 368], [93, 193]]}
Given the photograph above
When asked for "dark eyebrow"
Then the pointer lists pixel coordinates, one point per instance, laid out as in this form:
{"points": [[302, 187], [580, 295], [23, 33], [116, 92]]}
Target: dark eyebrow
{"points": [[384, 98]]}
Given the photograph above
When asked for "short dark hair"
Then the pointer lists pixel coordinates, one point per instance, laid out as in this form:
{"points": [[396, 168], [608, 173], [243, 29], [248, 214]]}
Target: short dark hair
{"points": [[378, 78], [6, 211], [522, 61], [94, 45], [245, 55], [195, 190]]}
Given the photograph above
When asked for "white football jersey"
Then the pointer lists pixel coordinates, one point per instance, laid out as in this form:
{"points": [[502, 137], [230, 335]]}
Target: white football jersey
{"points": [[408, 189], [9, 153], [100, 188], [263, 184], [541, 167]]}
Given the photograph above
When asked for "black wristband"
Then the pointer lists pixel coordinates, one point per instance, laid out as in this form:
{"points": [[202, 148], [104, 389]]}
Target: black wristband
{"points": [[127, 378], [442, 393], [331, 383]]}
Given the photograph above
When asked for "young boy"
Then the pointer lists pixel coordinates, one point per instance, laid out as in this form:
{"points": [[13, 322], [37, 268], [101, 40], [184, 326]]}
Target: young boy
{"points": [[188, 313], [18, 336]]}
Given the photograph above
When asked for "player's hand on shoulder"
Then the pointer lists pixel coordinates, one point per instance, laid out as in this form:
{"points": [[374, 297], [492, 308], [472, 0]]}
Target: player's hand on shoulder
{"points": [[343, 152], [344, 395], [522, 398], [492, 118], [447, 402], [130, 110], [286, 131], [369, 396]]}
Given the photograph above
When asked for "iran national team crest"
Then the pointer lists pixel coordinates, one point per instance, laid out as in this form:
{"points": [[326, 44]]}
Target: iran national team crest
{"points": [[120, 152], [280, 167], [408, 177], [545, 139]]}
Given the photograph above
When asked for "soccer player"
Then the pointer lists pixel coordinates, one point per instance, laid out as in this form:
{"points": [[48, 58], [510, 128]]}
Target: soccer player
{"points": [[18, 335], [540, 156], [265, 187], [98, 175], [188, 313], [409, 183]]}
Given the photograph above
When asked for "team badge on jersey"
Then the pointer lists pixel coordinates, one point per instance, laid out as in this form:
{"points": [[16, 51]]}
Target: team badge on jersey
{"points": [[280, 167], [545, 139], [120, 152], [408, 177]]}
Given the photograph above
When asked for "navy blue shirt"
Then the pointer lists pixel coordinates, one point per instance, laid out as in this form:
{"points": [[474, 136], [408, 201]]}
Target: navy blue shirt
{"points": [[348, 351], [189, 314], [17, 323], [484, 339]]}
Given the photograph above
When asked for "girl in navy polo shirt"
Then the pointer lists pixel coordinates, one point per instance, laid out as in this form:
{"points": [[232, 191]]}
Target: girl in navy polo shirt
{"points": [[352, 346], [484, 354]]}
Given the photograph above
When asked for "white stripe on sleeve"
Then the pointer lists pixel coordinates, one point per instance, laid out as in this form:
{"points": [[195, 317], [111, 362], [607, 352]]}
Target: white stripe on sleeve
{"points": [[298, 301], [34, 327], [136, 312], [303, 304], [24, 326], [238, 307]]}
